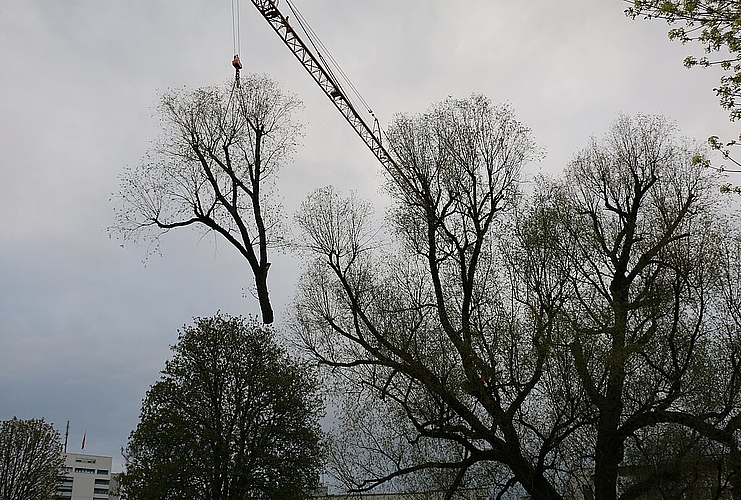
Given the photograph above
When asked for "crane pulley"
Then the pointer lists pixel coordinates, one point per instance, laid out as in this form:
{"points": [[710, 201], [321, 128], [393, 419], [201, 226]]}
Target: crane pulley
{"points": [[236, 36], [237, 66]]}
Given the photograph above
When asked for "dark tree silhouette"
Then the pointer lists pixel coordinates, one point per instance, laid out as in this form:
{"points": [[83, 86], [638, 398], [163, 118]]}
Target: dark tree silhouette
{"points": [[30, 460], [213, 168], [538, 336], [232, 417]]}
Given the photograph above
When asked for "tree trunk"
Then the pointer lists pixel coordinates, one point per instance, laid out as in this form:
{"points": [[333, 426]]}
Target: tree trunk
{"points": [[263, 295], [608, 455], [537, 486], [609, 446]]}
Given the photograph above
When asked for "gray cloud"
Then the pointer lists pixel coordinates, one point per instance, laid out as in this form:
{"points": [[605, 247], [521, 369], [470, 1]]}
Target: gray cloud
{"points": [[84, 326]]}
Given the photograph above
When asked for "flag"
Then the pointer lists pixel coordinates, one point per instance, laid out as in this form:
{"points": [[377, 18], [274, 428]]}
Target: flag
{"points": [[84, 435]]}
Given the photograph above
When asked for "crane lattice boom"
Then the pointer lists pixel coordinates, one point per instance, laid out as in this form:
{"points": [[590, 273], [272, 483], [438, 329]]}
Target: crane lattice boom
{"points": [[324, 79]]}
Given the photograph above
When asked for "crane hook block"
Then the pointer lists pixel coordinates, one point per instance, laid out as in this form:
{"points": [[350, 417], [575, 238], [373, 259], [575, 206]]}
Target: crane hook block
{"points": [[236, 62]]}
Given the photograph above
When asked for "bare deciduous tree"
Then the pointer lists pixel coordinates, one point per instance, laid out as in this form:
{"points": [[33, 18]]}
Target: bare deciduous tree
{"points": [[213, 168], [645, 278], [542, 337], [426, 327]]}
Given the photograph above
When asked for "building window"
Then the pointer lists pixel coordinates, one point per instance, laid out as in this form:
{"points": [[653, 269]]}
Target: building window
{"points": [[103, 472], [64, 488], [99, 491], [83, 470], [102, 481], [66, 479]]}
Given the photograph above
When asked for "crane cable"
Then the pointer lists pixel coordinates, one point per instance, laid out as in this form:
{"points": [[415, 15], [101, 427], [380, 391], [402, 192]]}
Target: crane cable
{"points": [[236, 41], [238, 103], [320, 48], [317, 44], [235, 27]]}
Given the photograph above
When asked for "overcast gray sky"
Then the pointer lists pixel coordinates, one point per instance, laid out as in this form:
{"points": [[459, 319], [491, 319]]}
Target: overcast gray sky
{"points": [[84, 325]]}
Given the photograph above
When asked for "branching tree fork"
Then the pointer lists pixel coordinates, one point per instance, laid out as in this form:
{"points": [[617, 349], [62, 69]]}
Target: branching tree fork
{"points": [[420, 330], [213, 168], [525, 340], [645, 277]]}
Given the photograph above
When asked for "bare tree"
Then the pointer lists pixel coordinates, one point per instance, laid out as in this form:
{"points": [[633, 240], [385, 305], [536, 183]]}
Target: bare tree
{"points": [[214, 168], [425, 326], [542, 336], [646, 275], [30, 460]]}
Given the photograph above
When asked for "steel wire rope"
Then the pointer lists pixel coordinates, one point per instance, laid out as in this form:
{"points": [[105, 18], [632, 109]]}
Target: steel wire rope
{"points": [[237, 45], [235, 49], [318, 44], [313, 40], [378, 149], [236, 35], [316, 41]]}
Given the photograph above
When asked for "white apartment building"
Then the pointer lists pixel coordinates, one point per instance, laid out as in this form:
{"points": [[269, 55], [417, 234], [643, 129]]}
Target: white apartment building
{"points": [[86, 477]]}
